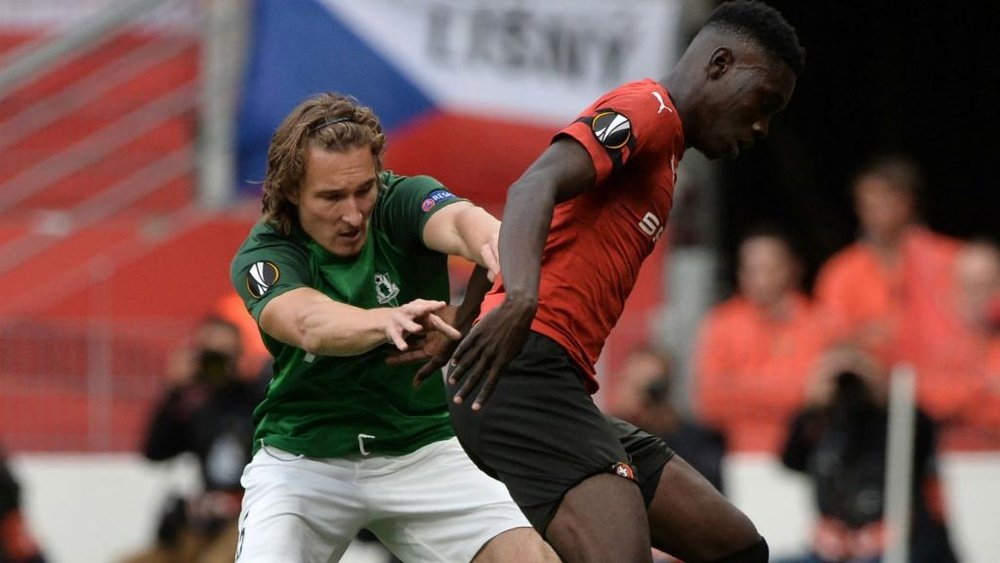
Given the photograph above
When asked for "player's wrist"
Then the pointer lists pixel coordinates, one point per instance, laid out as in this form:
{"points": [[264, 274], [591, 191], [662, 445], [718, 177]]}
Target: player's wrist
{"points": [[522, 301]]}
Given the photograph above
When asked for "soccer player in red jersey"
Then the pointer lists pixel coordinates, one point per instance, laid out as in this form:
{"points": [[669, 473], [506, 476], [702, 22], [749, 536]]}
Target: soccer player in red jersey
{"points": [[577, 226]]}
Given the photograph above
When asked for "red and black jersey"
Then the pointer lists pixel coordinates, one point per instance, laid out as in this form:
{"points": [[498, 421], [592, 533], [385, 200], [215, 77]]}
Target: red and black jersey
{"points": [[598, 240]]}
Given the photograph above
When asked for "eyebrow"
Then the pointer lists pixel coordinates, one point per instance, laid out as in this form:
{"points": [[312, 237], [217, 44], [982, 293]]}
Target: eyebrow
{"points": [[363, 185]]}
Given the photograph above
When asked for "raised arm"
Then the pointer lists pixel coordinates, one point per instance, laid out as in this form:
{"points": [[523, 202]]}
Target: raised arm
{"points": [[563, 171]]}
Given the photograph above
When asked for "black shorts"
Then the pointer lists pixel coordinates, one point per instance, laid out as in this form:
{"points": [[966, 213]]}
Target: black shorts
{"points": [[541, 434]]}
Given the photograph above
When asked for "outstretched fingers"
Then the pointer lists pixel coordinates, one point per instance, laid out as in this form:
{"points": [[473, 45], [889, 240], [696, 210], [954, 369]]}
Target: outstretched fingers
{"points": [[394, 333], [460, 358], [491, 257], [427, 369], [439, 324], [473, 377], [488, 386]]}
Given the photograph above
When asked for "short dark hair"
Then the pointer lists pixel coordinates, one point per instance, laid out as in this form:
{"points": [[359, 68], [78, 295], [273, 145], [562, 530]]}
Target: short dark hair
{"points": [[763, 25], [897, 170]]}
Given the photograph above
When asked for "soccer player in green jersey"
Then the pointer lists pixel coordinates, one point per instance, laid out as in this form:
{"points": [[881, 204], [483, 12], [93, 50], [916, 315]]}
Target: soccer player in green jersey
{"points": [[347, 264]]}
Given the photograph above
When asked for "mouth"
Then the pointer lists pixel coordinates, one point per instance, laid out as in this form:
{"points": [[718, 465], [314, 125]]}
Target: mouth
{"points": [[350, 236]]}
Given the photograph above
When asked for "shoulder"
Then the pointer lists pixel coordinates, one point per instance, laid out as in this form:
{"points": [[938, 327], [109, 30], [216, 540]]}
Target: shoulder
{"points": [[398, 183], [265, 235], [266, 243], [927, 240], [845, 262]]}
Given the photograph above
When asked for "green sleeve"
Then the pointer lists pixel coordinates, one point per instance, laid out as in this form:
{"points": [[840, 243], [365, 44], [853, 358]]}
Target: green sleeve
{"points": [[407, 205], [266, 266]]}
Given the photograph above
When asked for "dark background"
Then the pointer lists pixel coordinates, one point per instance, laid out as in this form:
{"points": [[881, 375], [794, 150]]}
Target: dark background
{"points": [[917, 78]]}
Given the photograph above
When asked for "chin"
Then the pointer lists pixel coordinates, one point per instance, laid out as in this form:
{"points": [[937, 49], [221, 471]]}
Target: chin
{"points": [[346, 250]]}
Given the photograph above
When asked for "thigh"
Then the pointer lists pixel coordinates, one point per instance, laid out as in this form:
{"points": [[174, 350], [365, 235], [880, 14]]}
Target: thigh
{"points": [[690, 519], [540, 432], [297, 509], [646, 452], [435, 505], [601, 519]]}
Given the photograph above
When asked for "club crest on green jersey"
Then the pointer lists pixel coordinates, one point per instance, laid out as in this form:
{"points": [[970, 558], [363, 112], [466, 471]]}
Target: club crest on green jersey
{"points": [[385, 290]]}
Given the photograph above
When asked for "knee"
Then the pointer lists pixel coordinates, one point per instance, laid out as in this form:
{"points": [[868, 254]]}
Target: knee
{"points": [[756, 553], [519, 544]]}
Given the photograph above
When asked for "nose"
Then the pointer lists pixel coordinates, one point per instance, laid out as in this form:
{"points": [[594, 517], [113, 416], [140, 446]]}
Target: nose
{"points": [[760, 128], [352, 212]]}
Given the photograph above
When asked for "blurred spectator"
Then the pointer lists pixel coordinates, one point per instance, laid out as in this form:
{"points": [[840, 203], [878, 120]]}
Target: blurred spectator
{"points": [[839, 440], [755, 349], [959, 376], [646, 400], [16, 543], [889, 290], [206, 411], [255, 360]]}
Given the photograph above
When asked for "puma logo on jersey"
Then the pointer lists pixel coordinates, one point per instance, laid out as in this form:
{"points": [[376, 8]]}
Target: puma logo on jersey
{"points": [[663, 106], [651, 225]]}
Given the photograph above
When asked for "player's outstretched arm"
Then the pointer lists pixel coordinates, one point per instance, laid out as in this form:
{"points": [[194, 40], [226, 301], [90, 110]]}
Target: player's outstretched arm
{"points": [[464, 229], [563, 171], [307, 319]]}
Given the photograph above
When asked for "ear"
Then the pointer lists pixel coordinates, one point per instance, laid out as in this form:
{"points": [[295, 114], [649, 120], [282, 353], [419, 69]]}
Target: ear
{"points": [[722, 59], [294, 197]]}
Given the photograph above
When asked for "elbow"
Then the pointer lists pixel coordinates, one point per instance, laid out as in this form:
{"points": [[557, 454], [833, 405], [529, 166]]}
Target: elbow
{"points": [[533, 186], [308, 338], [311, 344]]}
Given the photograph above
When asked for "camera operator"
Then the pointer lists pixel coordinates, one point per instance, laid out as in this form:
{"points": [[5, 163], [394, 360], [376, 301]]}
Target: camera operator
{"points": [[206, 411], [839, 440]]}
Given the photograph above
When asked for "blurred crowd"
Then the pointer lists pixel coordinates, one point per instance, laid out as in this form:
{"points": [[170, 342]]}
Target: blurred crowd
{"points": [[804, 375]]}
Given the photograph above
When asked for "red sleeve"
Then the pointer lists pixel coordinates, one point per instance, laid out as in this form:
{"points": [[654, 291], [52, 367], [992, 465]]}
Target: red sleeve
{"points": [[628, 123]]}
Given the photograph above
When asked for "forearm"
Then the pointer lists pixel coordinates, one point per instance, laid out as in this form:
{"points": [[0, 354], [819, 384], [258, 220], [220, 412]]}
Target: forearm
{"points": [[475, 229], [523, 232], [479, 284], [342, 330]]}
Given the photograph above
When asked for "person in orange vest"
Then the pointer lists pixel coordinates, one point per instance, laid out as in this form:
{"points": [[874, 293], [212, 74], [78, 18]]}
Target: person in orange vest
{"points": [[757, 348], [958, 379], [890, 290]]}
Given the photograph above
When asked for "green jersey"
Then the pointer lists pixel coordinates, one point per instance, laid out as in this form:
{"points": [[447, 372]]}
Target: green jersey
{"points": [[324, 406]]}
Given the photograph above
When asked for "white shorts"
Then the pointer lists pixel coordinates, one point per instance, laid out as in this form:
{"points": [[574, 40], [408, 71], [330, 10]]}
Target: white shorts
{"points": [[430, 505]]}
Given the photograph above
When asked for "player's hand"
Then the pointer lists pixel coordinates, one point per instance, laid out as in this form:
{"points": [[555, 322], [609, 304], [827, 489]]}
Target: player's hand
{"points": [[489, 347], [433, 347], [417, 317], [436, 349], [491, 256]]}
